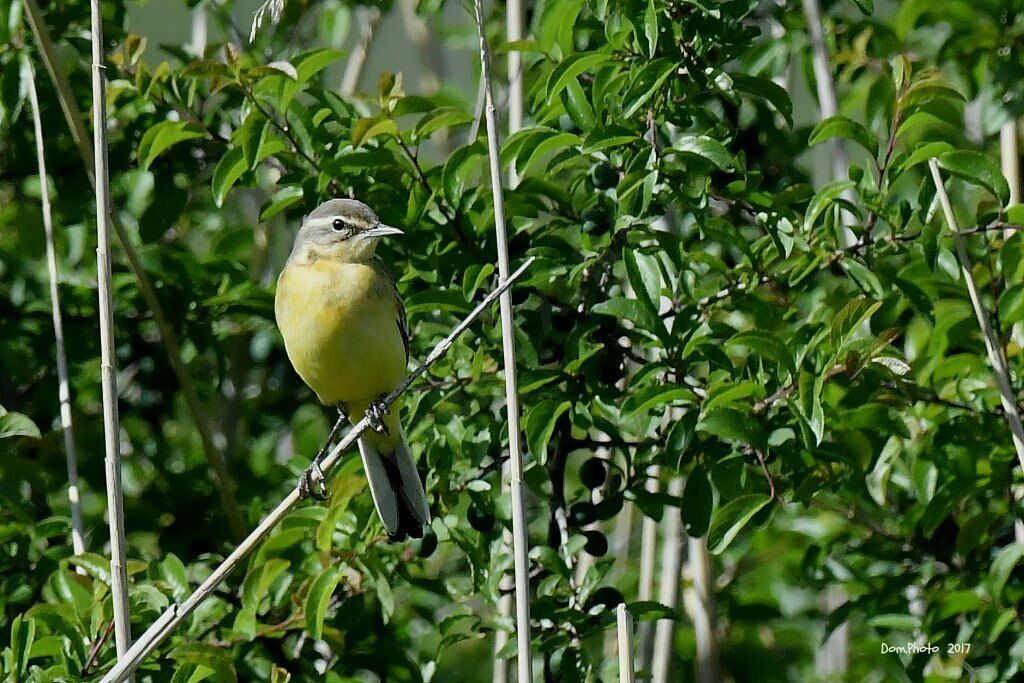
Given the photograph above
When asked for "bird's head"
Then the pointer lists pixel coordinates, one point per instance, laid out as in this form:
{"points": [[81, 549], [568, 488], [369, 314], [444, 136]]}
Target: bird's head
{"points": [[341, 230]]}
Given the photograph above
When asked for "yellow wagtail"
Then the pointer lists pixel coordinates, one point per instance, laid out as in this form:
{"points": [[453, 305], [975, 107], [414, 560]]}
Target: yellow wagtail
{"points": [[345, 332]]}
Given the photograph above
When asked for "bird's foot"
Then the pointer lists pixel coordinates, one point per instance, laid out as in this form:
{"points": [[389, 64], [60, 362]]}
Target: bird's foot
{"points": [[375, 415], [312, 484]]}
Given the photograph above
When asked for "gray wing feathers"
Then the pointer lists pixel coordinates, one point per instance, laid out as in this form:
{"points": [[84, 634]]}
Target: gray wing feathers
{"points": [[380, 487]]}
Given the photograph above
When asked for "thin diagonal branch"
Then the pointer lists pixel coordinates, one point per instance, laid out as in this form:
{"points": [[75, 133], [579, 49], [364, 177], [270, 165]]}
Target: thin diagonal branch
{"points": [[175, 614], [64, 390], [995, 351]]}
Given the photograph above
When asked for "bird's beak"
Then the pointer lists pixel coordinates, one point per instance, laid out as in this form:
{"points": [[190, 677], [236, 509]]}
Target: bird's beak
{"points": [[381, 230]]}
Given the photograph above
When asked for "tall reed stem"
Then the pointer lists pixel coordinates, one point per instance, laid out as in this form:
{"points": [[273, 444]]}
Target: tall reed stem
{"points": [[520, 543], [108, 359], [64, 387]]}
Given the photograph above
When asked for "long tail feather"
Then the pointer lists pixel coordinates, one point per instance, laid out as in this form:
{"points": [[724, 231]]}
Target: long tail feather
{"points": [[396, 488], [381, 488]]}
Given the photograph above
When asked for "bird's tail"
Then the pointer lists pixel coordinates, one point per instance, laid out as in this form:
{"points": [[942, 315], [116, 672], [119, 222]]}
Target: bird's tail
{"points": [[395, 485]]}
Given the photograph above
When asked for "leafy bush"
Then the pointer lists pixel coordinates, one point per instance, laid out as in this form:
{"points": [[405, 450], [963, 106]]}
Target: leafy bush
{"points": [[695, 305]]}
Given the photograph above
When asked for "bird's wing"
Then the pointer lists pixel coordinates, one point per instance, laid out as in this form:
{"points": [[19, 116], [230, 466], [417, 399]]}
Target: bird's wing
{"points": [[402, 320]]}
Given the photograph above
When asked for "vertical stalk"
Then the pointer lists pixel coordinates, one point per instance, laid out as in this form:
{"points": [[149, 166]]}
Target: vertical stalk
{"points": [[1009, 160], [513, 32], [702, 610], [108, 360], [367, 19], [668, 588], [992, 346], [519, 539], [828, 104], [648, 560], [199, 31], [624, 628], [64, 391]]}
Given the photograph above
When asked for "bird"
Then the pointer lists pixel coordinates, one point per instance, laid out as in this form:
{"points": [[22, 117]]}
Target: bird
{"points": [[345, 332]]}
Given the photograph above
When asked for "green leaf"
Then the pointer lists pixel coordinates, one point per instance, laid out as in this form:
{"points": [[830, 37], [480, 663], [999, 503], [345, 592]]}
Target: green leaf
{"points": [[768, 90], [540, 424], [765, 344], [215, 659], [634, 311], [705, 147], [228, 170], [730, 519], [442, 117], [824, 199], [570, 69], [732, 425], [647, 290], [651, 28], [163, 136], [653, 397], [312, 63], [843, 127], [457, 169], [23, 633], [371, 127], [16, 424], [281, 200], [258, 580], [979, 169], [897, 622], [318, 598], [697, 503], [1005, 560], [1011, 305], [94, 565]]}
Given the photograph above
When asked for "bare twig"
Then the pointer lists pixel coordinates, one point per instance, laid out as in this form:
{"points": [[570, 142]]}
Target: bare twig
{"points": [[79, 133], [175, 614], [64, 388], [624, 628], [94, 651], [995, 351], [367, 19], [218, 469], [520, 543], [108, 362]]}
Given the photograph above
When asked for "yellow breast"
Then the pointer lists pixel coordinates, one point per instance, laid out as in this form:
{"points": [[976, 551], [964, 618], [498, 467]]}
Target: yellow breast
{"points": [[339, 322]]}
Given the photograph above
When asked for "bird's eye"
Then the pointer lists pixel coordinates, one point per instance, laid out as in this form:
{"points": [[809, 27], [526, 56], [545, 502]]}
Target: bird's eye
{"points": [[339, 225]]}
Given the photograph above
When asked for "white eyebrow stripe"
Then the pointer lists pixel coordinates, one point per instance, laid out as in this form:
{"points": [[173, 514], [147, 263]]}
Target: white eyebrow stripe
{"points": [[329, 221]]}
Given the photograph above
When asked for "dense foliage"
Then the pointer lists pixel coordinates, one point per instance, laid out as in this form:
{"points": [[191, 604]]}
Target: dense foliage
{"points": [[696, 304]]}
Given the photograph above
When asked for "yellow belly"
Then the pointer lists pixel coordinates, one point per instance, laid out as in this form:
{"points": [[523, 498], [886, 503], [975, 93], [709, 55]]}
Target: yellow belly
{"points": [[340, 330]]}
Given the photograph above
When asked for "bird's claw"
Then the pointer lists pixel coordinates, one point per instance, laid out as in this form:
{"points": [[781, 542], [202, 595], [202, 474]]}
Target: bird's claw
{"points": [[312, 484], [375, 415]]}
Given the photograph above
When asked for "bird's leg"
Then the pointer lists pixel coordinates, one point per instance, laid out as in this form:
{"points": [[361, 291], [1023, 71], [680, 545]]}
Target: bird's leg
{"points": [[375, 414], [312, 484]]}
